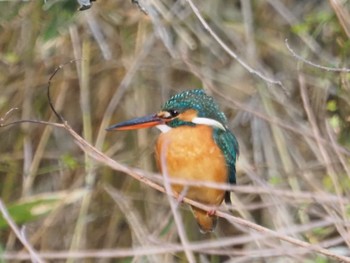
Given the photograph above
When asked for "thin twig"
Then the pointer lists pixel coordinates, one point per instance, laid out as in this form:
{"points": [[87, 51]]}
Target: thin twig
{"points": [[227, 49], [3, 119], [308, 62], [206, 247], [141, 233], [173, 206], [139, 6], [59, 116], [277, 121], [6, 215], [55, 124], [324, 154]]}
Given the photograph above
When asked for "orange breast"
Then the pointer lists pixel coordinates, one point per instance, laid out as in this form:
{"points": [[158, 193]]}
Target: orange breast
{"points": [[191, 153]]}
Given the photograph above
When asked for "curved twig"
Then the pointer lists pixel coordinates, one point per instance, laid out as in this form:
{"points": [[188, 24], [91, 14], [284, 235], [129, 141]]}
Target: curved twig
{"points": [[310, 63], [227, 49], [59, 116]]}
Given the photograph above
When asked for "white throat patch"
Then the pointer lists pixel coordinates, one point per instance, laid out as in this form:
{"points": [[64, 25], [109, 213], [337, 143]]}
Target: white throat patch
{"points": [[163, 128]]}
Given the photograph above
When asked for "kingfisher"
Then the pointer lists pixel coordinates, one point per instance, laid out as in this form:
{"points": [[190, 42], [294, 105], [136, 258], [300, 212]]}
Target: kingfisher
{"points": [[194, 144]]}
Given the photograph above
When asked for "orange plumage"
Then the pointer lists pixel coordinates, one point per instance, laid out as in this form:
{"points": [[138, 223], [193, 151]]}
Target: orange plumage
{"points": [[191, 153]]}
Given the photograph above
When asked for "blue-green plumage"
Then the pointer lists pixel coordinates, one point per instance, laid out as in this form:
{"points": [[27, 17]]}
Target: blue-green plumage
{"points": [[207, 108], [195, 99], [211, 136]]}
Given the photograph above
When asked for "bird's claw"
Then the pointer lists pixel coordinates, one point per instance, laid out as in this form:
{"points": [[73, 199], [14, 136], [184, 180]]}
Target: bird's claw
{"points": [[211, 212]]}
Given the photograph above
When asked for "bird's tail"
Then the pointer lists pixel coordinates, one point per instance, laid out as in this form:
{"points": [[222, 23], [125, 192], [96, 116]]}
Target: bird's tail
{"points": [[206, 222]]}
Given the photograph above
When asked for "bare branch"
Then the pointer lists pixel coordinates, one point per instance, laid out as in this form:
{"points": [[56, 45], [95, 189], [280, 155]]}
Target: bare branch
{"points": [[308, 62], [34, 254], [59, 116], [100, 157], [227, 49]]}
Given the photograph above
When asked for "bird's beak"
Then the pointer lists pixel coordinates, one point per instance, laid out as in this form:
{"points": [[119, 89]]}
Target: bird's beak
{"points": [[138, 123]]}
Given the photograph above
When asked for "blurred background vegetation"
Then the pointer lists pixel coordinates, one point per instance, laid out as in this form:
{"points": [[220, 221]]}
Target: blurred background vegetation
{"points": [[293, 137]]}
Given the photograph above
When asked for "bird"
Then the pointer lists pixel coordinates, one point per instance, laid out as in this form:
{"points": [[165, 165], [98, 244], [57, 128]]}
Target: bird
{"points": [[197, 145]]}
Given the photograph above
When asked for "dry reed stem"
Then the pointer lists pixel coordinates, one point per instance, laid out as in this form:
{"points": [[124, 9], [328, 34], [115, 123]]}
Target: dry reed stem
{"points": [[343, 15], [208, 247], [315, 129], [140, 232], [277, 121]]}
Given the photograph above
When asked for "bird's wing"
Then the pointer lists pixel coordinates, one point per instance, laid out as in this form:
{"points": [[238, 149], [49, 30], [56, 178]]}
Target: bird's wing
{"points": [[228, 144]]}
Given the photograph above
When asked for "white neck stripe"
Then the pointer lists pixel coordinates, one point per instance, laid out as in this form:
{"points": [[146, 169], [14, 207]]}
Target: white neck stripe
{"points": [[197, 120], [209, 122]]}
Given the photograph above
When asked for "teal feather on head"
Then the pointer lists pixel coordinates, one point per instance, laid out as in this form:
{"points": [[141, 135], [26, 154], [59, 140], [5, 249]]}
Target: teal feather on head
{"points": [[195, 99]]}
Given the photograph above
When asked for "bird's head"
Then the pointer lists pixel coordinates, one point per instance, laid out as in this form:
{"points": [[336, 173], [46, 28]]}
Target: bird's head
{"points": [[188, 108]]}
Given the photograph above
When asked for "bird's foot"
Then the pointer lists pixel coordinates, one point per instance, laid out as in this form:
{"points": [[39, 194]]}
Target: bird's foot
{"points": [[180, 198], [211, 212]]}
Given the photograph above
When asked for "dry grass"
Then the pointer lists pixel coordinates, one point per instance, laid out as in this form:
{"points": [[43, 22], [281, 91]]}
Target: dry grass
{"points": [[287, 103]]}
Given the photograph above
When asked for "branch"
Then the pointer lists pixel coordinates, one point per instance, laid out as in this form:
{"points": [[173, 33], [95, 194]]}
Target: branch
{"points": [[6, 215], [227, 49], [308, 62], [136, 174]]}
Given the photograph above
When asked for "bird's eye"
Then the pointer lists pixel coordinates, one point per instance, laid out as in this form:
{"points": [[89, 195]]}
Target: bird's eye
{"points": [[173, 113]]}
